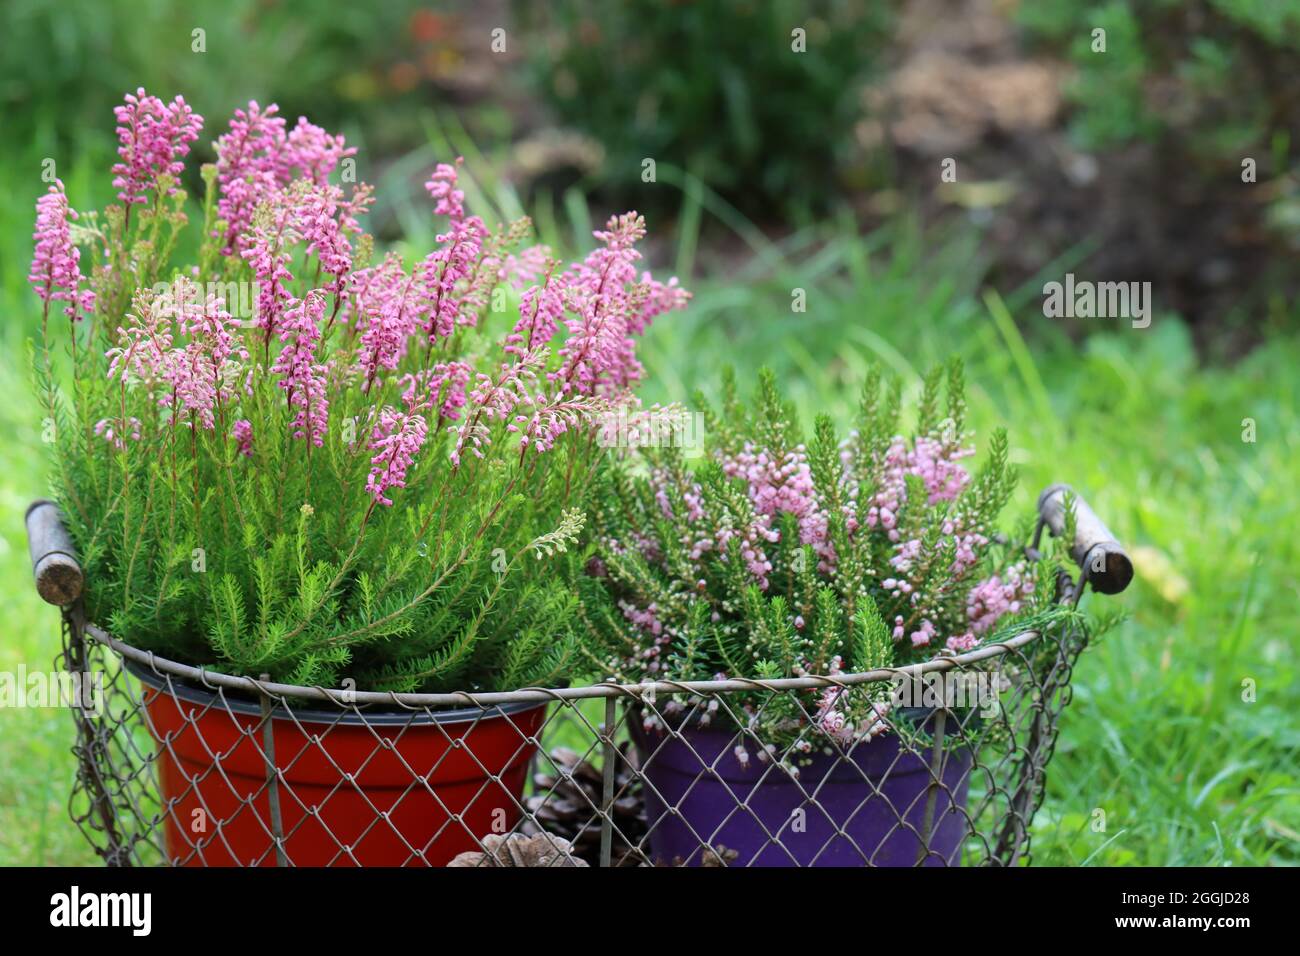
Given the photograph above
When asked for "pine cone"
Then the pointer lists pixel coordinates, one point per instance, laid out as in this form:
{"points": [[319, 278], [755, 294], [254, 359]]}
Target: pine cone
{"points": [[567, 799], [713, 856], [515, 849]]}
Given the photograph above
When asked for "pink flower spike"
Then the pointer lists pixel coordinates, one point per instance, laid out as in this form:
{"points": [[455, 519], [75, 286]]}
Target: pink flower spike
{"points": [[396, 438], [55, 273], [448, 200], [242, 433], [207, 370], [553, 418], [442, 387], [540, 311], [266, 250], [113, 432], [612, 308], [317, 211], [314, 152], [381, 303], [250, 167], [303, 376], [153, 139]]}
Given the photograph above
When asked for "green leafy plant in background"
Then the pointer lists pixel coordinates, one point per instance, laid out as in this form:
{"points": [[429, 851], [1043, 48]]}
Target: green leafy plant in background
{"points": [[782, 557], [1218, 73], [715, 89], [298, 457]]}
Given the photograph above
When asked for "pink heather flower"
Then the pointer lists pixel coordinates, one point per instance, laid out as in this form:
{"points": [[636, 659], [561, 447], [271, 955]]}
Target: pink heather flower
{"points": [[317, 211], [250, 165], [924, 634], [610, 308], [313, 152], [597, 292], [144, 346], [962, 642], [442, 387], [242, 433], [112, 431], [647, 619], [717, 539], [55, 273], [660, 299], [540, 310], [204, 320], [934, 461], [453, 262], [694, 499], [528, 267], [396, 439], [876, 723], [206, 370], [625, 370], [363, 196], [496, 399], [830, 719], [382, 301], [749, 545], [449, 201], [994, 598], [834, 722], [266, 250], [551, 418], [786, 486], [154, 139], [303, 378]]}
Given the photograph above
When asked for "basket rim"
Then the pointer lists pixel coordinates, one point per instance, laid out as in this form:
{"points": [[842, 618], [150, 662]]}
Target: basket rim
{"points": [[351, 699], [188, 692]]}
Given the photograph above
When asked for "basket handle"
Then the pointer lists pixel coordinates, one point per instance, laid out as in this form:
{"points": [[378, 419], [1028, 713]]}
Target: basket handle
{"points": [[1101, 558], [59, 579]]}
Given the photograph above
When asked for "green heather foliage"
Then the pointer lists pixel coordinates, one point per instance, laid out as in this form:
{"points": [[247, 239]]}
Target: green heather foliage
{"points": [[378, 474], [785, 555]]}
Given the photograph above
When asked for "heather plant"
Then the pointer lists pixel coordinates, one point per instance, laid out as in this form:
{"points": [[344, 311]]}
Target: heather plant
{"points": [[783, 557], [371, 473]]}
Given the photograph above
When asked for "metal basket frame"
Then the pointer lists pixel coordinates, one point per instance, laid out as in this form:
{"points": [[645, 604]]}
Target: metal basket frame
{"points": [[117, 803]]}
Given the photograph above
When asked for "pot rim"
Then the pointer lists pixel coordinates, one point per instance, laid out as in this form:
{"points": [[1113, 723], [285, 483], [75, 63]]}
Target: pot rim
{"points": [[182, 689]]}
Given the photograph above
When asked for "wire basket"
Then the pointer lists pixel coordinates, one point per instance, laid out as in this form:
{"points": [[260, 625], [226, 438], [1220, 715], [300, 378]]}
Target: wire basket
{"points": [[178, 765]]}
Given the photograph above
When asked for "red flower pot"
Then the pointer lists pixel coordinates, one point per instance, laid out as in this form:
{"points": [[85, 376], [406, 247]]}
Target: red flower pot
{"points": [[390, 788]]}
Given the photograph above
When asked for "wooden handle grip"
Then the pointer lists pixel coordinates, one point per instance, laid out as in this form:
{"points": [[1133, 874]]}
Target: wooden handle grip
{"points": [[1094, 548], [54, 560]]}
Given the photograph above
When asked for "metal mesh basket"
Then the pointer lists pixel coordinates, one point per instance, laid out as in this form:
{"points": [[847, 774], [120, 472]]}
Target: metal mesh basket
{"points": [[181, 766]]}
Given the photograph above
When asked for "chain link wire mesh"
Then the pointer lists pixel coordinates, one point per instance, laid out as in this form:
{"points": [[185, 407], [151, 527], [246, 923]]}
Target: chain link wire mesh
{"points": [[178, 766]]}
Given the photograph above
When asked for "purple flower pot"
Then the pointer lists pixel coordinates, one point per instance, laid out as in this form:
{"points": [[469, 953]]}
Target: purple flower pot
{"points": [[866, 808]]}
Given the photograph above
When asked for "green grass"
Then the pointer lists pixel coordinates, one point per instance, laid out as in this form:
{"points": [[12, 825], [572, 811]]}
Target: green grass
{"points": [[35, 745], [1158, 736]]}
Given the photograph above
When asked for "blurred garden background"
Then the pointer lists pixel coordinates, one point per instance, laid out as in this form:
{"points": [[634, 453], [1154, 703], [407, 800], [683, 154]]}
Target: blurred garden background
{"points": [[799, 151]]}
